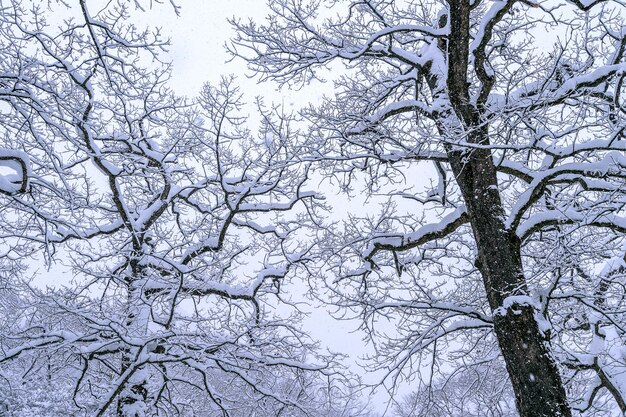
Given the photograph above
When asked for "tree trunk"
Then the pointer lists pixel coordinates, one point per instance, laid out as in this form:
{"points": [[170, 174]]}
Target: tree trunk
{"points": [[127, 404], [132, 399], [535, 378]]}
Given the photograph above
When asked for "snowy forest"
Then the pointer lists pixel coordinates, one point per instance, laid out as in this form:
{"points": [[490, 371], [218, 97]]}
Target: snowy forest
{"points": [[398, 208]]}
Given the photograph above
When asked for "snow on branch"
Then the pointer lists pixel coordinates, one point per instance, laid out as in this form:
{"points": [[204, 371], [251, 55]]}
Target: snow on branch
{"points": [[19, 163], [536, 222], [424, 234]]}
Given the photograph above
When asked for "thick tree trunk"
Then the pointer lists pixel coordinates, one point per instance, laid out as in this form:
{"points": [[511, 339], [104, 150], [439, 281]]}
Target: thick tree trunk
{"points": [[536, 380], [534, 375]]}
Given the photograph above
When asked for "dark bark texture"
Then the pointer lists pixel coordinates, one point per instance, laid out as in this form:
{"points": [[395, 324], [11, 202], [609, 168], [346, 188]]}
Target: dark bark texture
{"points": [[534, 375]]}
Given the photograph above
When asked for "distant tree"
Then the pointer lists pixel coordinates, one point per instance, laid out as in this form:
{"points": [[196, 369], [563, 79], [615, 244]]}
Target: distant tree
{"points": [[177, 223], [514, 111]]}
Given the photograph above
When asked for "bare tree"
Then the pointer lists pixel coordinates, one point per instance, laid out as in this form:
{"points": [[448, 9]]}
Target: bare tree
{"points": [[178, 224], [513, 108]]}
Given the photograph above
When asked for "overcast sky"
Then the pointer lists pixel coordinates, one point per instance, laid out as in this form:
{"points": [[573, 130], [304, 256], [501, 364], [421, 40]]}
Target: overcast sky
{"points": [[198, 37]]}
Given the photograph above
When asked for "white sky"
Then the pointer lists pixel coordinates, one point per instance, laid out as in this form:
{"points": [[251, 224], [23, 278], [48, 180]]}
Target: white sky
{"points": [[198, 37]]}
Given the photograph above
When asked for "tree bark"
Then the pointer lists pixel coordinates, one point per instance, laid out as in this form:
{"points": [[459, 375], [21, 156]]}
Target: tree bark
{"points": [[534, 375], [135, 389]]}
